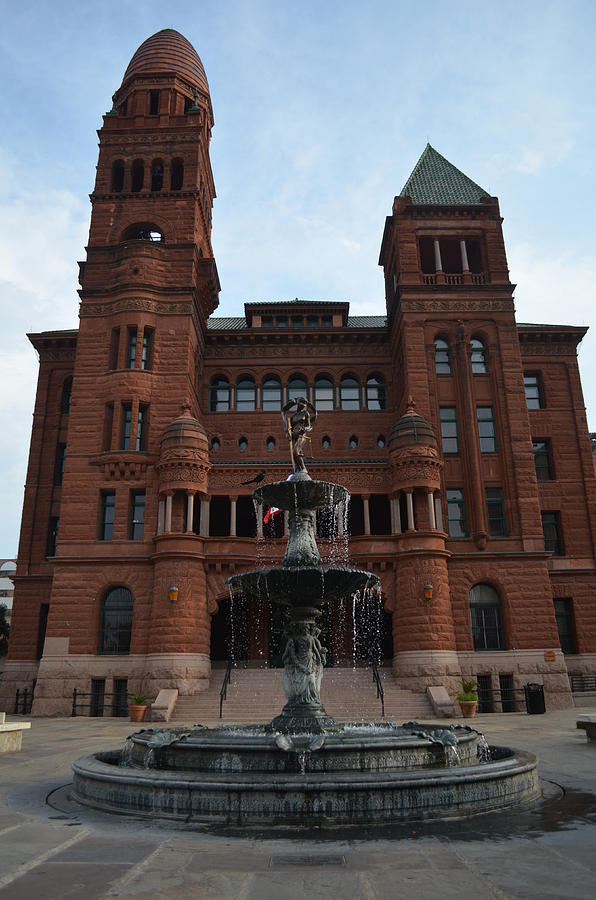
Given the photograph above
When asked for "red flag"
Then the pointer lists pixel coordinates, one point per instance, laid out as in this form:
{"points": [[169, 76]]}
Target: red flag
{"points": [[272, 511]]}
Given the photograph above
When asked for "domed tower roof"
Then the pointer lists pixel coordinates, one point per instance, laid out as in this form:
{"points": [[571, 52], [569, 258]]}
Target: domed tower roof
{"points": [[184, 454], [185, 431], [168, 52], [411, 430]]}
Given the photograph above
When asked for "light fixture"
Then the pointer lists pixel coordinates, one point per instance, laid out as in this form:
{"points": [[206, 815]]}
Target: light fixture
{"points": [[173, 594], [428, 591]]}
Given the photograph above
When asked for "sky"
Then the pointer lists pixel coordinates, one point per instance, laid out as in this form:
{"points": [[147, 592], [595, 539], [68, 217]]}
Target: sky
{"points": [[322, 108]]}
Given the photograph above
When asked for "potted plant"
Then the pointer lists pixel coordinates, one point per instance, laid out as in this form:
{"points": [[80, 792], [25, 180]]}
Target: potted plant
{"points": [[468, 699], [137, 707]]}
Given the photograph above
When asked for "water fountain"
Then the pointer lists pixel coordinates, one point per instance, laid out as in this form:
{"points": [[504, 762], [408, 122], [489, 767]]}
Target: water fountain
{"points": [[304, 768]]}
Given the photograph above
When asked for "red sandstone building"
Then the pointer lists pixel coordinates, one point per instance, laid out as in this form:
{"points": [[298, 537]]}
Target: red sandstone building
{"points": [[475, 506]]}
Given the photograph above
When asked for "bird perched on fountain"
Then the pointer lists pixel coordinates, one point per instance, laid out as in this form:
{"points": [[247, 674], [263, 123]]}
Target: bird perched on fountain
{"points": [[257, 479]]}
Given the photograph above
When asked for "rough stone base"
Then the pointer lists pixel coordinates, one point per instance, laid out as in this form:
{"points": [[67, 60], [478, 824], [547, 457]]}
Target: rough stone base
{"points": [[18, 674]]}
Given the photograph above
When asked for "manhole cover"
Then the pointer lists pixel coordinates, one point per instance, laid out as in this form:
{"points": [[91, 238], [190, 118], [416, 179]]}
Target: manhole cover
{"points": [[298, 861]]}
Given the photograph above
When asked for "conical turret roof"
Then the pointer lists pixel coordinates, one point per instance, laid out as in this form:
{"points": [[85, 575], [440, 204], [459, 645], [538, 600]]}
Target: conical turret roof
{"points": [[435, 180]]}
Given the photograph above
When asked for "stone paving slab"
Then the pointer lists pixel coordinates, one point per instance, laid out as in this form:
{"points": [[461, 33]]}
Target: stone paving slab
{"points": [[63, 851]]}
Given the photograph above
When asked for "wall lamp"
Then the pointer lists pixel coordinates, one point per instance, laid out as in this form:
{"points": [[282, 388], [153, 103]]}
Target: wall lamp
{"points": [[173, 593], [428, 591]]}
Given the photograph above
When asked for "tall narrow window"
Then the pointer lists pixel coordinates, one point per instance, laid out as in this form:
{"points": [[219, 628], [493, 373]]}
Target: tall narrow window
{"points": [[106, 515], [153, 103], [495, 507], [126, 426], [551, 530], [115, 621], [59, 467], [52, 539], [542, 460], [131, 348], [114, 344], [487, 620], [442, 357], [66, 396], [219, 394], [349, 392], [456, 514], [297, 387], [323, 393], [478, 356], [376, 392], [271, 393], [147, 349], [142, 427], [137, 516], [486, 429], [564, 617], [157, 175], [176, 175], [449, 437], [245, 394], [138, 176], [117, 176], [108, 421], [533, 389]]}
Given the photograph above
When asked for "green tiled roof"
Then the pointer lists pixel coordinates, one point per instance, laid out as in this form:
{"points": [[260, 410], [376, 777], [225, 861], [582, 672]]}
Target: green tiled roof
{"points": [[435, 180]]}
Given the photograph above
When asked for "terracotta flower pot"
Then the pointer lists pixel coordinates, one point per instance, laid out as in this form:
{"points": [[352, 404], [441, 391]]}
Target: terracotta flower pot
{"points": [[137, 713], [468, 708]]}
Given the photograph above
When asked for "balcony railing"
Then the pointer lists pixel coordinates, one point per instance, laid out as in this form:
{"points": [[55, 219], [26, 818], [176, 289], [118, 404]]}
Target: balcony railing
{"points": [[454, 278]]}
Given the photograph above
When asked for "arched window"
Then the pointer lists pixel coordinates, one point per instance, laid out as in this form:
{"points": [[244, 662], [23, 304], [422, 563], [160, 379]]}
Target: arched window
{"points": [[138, 176], [115, 621], [117, 176], [297, 387], [478, 356], [271, 390], [176, 175], [323, 392], [143, 231], [219, 394], [487, 619], [245, 394], [376, 392], [349, 392], [66, 396], [157, 175], [442, 357]]}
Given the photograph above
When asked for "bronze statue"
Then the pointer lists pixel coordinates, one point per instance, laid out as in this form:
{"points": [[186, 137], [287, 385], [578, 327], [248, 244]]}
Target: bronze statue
{"points": [[297, 425]]}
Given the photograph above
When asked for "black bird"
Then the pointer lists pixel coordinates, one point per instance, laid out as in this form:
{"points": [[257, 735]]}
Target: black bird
{"points": [[257, 479]]}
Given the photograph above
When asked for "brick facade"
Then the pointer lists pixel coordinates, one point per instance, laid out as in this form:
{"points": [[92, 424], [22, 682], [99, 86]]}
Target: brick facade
{"points": [[139, 469]]}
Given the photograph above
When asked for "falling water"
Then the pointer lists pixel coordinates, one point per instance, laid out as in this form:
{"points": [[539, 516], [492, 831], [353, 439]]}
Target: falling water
{"points": [[126, 755], [149, 759], [451, 755], [483, 750]]}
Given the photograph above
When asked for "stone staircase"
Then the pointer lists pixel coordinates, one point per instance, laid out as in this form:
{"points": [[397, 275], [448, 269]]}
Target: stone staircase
{"points": [[256, 695]]}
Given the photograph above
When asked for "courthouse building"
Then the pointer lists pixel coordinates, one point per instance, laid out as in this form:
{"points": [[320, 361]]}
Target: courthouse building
{"points": [[460, 434]]}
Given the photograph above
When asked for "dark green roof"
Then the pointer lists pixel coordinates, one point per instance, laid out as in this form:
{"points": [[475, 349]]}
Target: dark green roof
{"points": [[435, 180]]}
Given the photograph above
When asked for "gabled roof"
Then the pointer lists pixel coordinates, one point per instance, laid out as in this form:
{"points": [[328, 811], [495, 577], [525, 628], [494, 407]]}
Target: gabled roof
{"points": [[437, 181]]}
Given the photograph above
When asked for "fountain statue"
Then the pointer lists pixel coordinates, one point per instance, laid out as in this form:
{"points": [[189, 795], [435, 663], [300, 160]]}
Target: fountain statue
{"points": [[304, 768]]}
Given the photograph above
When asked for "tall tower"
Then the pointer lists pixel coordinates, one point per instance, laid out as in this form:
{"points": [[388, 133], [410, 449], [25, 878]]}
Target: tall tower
{"points": [[136, 456]]}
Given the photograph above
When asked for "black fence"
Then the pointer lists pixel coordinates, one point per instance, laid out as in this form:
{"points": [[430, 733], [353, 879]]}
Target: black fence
{"points": [[95, 703], [23, 701], [581, 683]]}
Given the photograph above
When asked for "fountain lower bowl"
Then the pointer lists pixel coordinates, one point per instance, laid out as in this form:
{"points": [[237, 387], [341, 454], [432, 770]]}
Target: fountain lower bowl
{"points": [[363, 775], [292, 585]]}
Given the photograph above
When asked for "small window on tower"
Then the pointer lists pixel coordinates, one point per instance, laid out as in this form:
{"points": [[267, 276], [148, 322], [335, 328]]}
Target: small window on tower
{"points": [[138, 175], [176, 175], [117, 176], [157, 175], [153, 103]]}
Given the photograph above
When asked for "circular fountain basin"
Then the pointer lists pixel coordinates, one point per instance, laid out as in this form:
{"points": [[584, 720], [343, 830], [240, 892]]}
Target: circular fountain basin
{"points": [[309, 494], [289, 585], [363, 775]]}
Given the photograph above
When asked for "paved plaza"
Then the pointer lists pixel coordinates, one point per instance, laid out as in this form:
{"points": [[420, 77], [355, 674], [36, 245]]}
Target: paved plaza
{"points": [[51, 848]]}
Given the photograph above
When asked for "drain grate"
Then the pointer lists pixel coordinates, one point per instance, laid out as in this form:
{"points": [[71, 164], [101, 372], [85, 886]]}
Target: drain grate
{"points": [[298, 861]]}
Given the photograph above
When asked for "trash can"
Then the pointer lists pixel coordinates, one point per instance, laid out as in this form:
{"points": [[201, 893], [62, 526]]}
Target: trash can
{"points": [[534, 699]]}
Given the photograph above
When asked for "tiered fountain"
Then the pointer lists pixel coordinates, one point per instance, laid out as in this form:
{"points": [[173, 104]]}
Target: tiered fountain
{"points": [[304, 768]]}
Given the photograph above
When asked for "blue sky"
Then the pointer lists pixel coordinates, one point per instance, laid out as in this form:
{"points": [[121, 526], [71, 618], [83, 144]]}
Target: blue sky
{"points": [[321, 111]]}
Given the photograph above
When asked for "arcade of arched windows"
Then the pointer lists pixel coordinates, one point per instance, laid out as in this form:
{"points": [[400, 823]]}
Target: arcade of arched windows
{"points": [[153, 175], [445, 363], [245, 393]]}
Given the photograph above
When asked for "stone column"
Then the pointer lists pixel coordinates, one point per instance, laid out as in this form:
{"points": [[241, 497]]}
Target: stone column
{"points": [[190, 508], [160, 515], [168, 522], [233, 501], [410, 508], [366, 508], [438, 262], [204, 519], [431, 511], [395, 515], [439, 513], [464, 256]]}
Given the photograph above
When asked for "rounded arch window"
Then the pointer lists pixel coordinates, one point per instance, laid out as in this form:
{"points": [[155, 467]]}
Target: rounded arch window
{"points": [[115, 621], [245, 394], [138, 176], [297, 387], [157, 175], [376, 392], [381, 441], [176, 174], [215, 444], [323, 392], [349, 392], [478, 355], [117, 176], [270, 442], [487, 618], [326, 442], [143, 231], [271, 393], [66, 398], [442, 357], [242, 443], [353, 442], [219, 394]]}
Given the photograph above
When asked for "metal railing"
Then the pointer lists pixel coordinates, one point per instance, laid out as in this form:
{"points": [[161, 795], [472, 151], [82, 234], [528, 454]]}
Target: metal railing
{"points": [[581, 683], [96, 704], [501, 700], [23, 701], [380, 689], [223, 694]]}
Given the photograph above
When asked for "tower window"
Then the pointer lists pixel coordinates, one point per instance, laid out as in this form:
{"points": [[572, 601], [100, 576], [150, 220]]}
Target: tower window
{"points": [[117, 176], [176, 174], [456, 514], [114, 343], [106, 516], [143, 231], [533, 389], [137, 515], [551, 530], [153, 103], [142, 423], [131, 353], [157, 175], [478, 356], [542, 460], [442, 357], [147, 349], [495, 508], [449, 437], [66, 396], [59, 467], [353, 442], [52, 540], [126, 423], [138, 175], [486, 429]]}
